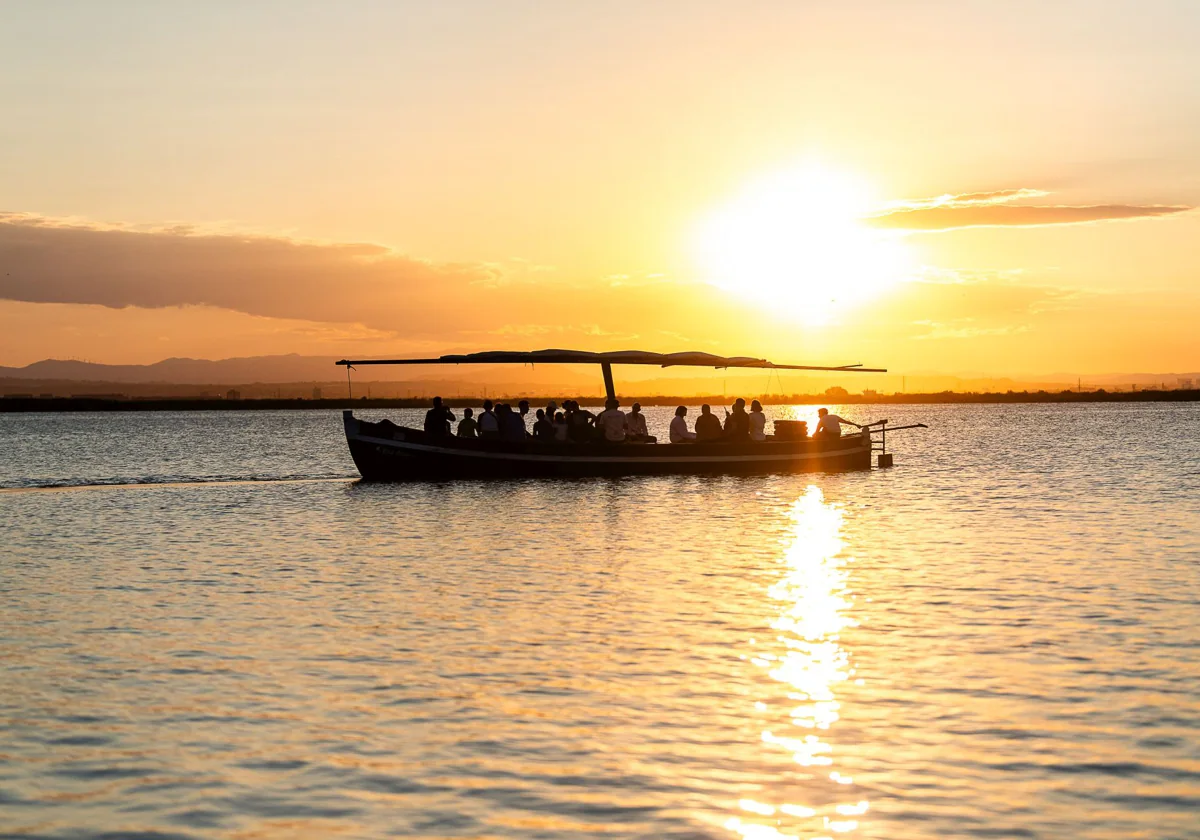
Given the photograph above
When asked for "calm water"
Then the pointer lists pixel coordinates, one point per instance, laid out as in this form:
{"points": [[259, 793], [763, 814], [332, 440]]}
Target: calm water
{"points": [[996, 638]]}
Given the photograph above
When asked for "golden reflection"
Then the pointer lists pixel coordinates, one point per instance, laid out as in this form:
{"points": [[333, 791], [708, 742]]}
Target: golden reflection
{"points": [[809, 661]]}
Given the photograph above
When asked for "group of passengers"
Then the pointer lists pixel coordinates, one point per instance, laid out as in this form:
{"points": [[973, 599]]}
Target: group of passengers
{"points": [[571, 423]]}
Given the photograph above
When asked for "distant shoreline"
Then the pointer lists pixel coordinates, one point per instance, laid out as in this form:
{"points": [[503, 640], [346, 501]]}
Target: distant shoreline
{"points": [[10, 404]]}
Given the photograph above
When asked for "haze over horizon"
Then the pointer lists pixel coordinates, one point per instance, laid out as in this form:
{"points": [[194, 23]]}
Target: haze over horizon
{"points": [[802, 182]]}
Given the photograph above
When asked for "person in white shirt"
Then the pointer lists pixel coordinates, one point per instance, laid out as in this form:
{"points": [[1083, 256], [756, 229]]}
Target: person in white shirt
{"points": [[612, 421], [636, 424], [489, 426], [560, 428], [679, 429], [758, 422], [830, 425]]}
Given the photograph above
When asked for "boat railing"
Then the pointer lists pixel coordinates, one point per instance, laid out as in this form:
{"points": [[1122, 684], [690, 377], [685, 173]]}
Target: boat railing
{"points": [[881, 428]]}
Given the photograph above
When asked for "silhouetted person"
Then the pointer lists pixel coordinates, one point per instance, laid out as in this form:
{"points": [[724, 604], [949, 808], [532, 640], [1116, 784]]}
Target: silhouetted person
{"points": [[467, 427], [612, 422], [543, 429], [489, 423], [512, 427], [679, 429], [830, 425], [579, 423], [708, 427], [522, 410], [737, 424], [438, 419], [560, 428], [636, 424], [758, 422]]}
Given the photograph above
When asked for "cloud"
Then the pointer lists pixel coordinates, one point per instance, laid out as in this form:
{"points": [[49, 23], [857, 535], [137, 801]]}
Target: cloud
{"points": [[44, 260], [52, 261], [981, 199], [965, 330], [997, 209]]}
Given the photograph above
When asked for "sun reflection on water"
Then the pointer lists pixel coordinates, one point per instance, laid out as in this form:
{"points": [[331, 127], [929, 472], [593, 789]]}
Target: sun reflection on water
{"points": [[809, 661]]}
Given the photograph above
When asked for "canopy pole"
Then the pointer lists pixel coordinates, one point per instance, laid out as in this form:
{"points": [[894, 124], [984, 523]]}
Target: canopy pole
{"points": [[609, 390]]}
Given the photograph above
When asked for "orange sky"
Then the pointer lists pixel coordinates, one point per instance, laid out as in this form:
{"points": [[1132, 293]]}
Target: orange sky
{"points": [[930, 186]]}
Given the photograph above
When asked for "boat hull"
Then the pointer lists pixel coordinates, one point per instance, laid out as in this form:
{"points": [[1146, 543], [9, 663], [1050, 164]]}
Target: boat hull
{"points": [[386, 452]]}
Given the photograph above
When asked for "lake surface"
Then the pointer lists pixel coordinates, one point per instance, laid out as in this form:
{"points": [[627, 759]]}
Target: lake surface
{"points": [[210, 629]]}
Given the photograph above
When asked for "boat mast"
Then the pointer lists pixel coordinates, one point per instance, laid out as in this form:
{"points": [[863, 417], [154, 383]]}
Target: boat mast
{"points": [[609, 390]]}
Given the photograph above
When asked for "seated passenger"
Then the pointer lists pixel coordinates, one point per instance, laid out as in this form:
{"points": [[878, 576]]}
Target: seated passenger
{"points": [[679, 429], [467, 427], [830, 425], [579, 424], [612, 422], [512, 428], [560, 428], [636, 423], [758, 422], [489, 424], [708, 427], [438, 419], [737, 424], [543, 429]]}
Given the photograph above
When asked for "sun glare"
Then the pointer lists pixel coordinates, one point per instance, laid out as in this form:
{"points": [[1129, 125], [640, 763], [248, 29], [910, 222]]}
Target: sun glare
{"points": [[796, 241]]}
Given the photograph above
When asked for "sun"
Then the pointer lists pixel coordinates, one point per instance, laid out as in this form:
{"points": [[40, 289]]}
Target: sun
{"points": [[796, 241]]}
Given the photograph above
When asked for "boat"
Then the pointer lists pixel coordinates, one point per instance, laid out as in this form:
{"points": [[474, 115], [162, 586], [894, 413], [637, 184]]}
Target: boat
{"points": [[385, 451]]}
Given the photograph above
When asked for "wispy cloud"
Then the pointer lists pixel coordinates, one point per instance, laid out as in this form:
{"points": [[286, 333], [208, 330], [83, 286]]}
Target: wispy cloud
{"points": [[1002, 208], [965, 329], [980, 199]]}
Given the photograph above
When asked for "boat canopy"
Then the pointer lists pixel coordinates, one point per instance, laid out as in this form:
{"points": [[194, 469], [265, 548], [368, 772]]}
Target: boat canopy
{"points": [[617, 357], [605, 360]]}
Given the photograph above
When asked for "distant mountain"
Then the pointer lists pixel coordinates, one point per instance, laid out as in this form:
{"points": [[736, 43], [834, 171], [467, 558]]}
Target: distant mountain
{"points": [[289, 368], [296, 369]]}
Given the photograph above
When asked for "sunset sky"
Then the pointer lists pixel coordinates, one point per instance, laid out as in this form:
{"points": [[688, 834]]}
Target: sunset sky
{"points": [[985, 187]]}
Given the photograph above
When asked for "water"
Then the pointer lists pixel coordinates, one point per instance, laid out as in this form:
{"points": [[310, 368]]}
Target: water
{"points": [[222, 635]]}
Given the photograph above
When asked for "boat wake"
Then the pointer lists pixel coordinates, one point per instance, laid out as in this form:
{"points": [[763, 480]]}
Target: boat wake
{"points": [[160, 482]]}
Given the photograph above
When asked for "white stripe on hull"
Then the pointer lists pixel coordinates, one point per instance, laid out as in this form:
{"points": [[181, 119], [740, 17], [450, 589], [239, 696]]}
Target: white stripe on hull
{"points": [[565, 458]]}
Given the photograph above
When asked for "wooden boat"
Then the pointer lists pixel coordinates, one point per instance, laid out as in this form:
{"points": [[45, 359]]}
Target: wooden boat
{"points": [[384, 451]]}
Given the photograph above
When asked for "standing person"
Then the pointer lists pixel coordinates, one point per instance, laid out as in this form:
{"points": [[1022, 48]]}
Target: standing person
{"points": [[489, 424], [551, 410], [708, 427], [758, 422], [467, 427], [636, 423], [523, 409], [830, 425], [679, 429], [543, 429], [612, 422], [438, 419], [737, 425]]}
